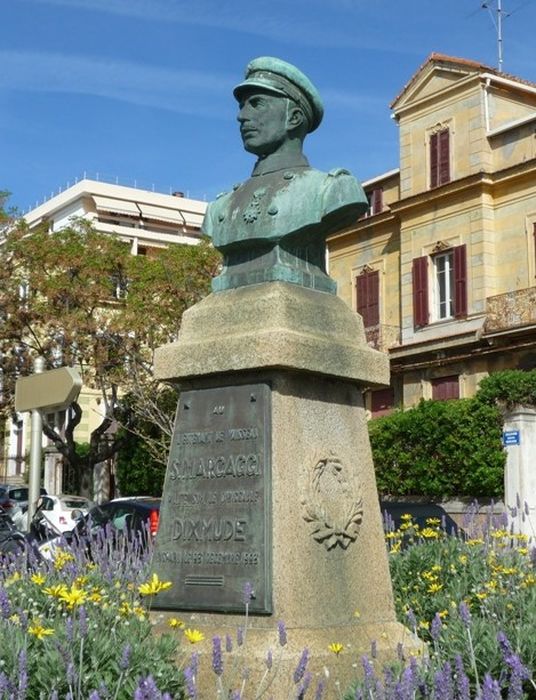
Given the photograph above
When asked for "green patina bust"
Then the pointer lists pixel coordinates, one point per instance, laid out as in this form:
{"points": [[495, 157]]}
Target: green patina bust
{"points": [[274, 226]]}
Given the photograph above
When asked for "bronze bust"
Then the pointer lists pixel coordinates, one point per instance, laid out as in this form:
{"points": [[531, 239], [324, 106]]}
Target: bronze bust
{"points": [[274, 225]]}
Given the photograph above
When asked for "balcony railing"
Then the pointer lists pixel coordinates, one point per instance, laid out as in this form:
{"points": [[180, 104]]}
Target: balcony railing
{"points": [[510, 310], [382, 337]]}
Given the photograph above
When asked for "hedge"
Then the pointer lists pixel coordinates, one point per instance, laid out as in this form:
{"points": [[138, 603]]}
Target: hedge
{"points": [[440, 449]]}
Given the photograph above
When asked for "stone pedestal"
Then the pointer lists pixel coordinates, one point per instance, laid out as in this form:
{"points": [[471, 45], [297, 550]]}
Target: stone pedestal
{"points": [[520, 473], [327, 552]]}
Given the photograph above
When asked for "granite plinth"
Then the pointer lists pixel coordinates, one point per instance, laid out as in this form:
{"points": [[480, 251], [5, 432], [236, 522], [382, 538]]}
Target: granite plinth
{"points": [[272, 325]]}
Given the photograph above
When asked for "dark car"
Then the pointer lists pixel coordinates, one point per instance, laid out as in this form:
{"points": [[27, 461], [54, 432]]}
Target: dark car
{"points": [[11, 496], [135, 515], [12, 540]]}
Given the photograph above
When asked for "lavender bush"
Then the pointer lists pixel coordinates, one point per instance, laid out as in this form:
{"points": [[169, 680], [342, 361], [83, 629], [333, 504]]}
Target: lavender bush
{"points": [[77, 627]]}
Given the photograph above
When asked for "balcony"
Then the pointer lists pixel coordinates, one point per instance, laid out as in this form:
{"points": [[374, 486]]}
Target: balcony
{"points": [[382, 337], [511, 310]]}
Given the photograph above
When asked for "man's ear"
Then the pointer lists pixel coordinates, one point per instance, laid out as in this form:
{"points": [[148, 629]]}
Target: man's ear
{"points": [[295, 118]]}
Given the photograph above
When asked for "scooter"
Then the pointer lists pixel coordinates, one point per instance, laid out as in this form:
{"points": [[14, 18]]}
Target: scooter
{"points": [[12, 540]]}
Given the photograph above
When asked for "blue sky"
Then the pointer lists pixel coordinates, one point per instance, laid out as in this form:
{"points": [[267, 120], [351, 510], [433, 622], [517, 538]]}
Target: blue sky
{"points": [[141, 90]]}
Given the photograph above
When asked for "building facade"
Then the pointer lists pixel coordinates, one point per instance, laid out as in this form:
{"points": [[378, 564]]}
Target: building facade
{"points": [[146, 220], [443, 266]]}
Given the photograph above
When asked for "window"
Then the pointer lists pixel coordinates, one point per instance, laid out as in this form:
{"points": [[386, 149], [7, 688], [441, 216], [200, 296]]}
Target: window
{"points": [[444, 285], [439, 158], [446, 388], [448, 286], [367, 286], [375, 200]]}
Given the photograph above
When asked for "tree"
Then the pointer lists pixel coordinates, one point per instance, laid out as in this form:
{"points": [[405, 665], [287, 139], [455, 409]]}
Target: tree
{"points": [[79, 298]]}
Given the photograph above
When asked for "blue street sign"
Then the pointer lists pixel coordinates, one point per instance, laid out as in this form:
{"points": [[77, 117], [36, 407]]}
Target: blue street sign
{"points": [[511, 437]]}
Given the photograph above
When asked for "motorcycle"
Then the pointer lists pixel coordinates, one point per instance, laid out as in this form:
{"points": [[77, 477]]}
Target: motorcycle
{"points": [[12, 540]]}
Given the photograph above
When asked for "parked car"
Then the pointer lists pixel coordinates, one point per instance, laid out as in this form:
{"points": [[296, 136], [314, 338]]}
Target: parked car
{"points": [[58, 514], [136, 514], [11, 496]]}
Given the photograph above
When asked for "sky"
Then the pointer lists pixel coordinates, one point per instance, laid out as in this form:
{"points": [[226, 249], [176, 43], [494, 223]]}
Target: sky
{"points": [[140, 91]]}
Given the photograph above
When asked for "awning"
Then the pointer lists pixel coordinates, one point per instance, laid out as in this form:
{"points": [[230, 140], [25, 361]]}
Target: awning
{"points": [[173, 216], [117, 206]]}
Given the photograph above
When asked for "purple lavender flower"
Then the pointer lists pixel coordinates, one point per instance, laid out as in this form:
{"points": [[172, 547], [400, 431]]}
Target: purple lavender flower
{"points": [[147, 690], [53, 695], [217, 657], [189, 681], [235, 695], [94, 695], [282, 631], [302, 665], [436, 627], [69, 629], [443, 689], [490, 689], [304, 686], [465, 615], [5, 607], [248, 592], [269, 659], [228, 643], [369, 673], [240, 636], [462, 681], [124, 662], [23, 675], [82, 622], [319, 690]]}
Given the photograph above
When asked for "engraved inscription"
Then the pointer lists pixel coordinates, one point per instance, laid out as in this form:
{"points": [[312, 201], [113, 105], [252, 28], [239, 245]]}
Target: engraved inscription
{"points": [[215, 517]]}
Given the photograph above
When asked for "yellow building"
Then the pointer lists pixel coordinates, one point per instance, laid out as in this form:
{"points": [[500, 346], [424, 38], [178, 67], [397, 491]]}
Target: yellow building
{"points": [[443, 266]]}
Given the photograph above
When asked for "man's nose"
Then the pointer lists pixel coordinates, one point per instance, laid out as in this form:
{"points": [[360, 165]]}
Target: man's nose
{"points": [[243, 114]]}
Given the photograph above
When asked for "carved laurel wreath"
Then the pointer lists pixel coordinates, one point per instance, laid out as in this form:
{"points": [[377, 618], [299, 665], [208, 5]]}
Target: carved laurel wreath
{"points": [[332, 503]]}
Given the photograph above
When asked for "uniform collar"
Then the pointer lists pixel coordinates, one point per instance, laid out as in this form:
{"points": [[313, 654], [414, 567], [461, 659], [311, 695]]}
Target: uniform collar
{"points": [[279, 161]]}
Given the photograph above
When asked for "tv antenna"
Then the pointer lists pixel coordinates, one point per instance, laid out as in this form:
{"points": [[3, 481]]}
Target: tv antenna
{"points": [[497, 23]]}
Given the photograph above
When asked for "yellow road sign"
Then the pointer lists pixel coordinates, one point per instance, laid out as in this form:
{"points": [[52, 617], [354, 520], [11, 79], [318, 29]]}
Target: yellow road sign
{"points": [[52, 390]]}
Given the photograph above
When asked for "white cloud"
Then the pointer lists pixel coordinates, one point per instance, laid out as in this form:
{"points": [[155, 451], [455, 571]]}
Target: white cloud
{"points": [[183, 91]]}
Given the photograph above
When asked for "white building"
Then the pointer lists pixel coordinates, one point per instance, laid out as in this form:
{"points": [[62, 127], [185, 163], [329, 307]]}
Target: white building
{"points": [[143, 218]]}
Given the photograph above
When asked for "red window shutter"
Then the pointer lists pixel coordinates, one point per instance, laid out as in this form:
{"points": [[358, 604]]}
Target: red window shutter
{"points": [[382, 402], [420, 291], [433, 160], [460, 281], [368, 297], [377, 200], [444, 157]]}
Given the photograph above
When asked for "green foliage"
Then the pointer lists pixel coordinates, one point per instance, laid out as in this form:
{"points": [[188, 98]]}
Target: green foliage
{"points": [[138, 473], [487, 569], [142, 455], [75, 627], [439, 449], [508, 388]]}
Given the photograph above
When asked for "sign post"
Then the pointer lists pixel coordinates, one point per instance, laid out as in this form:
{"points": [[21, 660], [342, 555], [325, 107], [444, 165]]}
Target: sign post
{"points": [[43, 391]]}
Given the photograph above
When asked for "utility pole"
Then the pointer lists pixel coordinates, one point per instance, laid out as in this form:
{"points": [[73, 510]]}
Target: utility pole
{"points": [[35, 450]]}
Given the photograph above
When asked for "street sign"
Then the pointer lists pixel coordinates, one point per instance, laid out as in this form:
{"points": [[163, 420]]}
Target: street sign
{"points": [[50, 391], [511, 437]]}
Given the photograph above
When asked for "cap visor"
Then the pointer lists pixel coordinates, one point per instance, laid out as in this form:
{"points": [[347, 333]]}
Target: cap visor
{"points": [[252, 84]]}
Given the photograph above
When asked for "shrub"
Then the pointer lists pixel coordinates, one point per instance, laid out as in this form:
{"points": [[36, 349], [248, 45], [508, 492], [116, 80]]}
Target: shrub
{"points": [[508, 388], [79, 628], [440, 449]]}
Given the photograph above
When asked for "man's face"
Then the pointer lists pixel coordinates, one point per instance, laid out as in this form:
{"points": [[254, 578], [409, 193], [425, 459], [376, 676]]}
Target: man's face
{"points": [[263, 121]]}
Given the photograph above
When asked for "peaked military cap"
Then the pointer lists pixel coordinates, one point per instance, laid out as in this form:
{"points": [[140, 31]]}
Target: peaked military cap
{"points": [[283, 78]]}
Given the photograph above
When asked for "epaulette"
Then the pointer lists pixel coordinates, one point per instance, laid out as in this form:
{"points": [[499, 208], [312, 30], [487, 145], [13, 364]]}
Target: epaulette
{"points": [[339, 171]]}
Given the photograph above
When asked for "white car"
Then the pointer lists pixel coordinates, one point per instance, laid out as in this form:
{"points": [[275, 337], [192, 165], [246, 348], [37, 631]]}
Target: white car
{"points": [[55, 513]]}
